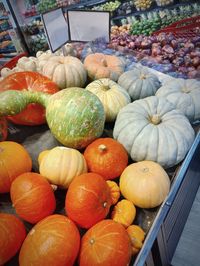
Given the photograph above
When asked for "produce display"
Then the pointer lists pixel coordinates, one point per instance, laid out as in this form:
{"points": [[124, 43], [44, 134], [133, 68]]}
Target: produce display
{"points": [[164, 2], [108, 6], [142, 4]]}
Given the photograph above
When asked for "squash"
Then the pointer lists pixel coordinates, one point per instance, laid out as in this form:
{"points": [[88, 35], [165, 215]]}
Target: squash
{"points": [[32, 197], [65, 71], [14, 160], [185, 95], [139, 83], [75, 116], [13, 233], [114, 191], [113, 96], [152, 129], [107, 157], [3, 129], [34, 114], [88, 199], [106, 243], [55, 240], [146, 184], [137, 236], [99, 65], [61, 164]]}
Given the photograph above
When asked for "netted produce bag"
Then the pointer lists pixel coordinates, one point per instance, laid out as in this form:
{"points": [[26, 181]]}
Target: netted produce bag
{"points": [[164, 2], [141, 5]]}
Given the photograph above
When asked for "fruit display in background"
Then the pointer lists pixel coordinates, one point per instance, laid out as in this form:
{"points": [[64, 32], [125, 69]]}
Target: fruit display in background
{"points": [[108, 6], [13, 233], [61, 164], [32, 197], [114, 191], [88, 200], [106, 157], [3, 129], [106, 243], [14, 160], [146, 184], [164, 2], [142, 5], [145, 126], [55, 240], [137, 236], [112, 96]]}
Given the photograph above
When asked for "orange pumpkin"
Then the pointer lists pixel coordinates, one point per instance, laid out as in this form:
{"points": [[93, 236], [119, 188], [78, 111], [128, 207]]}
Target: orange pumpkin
{"points": [[55, 241], [88, 199], [114, 191], [32, 197], [14, 160], [13, 233], [137, 236], [3, 129], [106, 243], [107, 157]]}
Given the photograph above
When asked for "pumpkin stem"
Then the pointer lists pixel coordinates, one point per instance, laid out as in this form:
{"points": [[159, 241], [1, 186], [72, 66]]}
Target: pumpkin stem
{"points": [[186, 90], [102, 148], [105, 88], [54, 187], [142, 76], [155, 119], [104, 63], [92, 241], [104, 204]]}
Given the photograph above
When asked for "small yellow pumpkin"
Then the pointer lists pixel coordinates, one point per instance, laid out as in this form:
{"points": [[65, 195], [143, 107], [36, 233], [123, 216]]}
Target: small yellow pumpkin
{"points": [[114, 190], [137, 236]]}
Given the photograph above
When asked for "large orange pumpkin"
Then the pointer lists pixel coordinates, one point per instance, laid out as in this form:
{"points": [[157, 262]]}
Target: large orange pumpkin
{"points": [[106, 243], [3, 129], [88, 199], [34, 114], [107, 157], [55, 241], [14, 160], [32, 197], [12, 235]]}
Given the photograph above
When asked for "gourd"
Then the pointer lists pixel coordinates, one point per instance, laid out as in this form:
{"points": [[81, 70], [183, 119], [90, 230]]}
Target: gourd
{"points": [[61, 164], [152, 129], [184, 94], [3, 129], [139, 83], [99, 65], [113, 96], [75, 116], [137, 236], [146, 184], [114, 191], [55, 240]]}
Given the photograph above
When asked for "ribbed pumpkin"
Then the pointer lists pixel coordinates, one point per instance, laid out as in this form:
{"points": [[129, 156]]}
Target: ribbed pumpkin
{"points": [[13, 233], [145, 183], [3, 129], [106, 243], [65, 71], [145, 126], [14, 160], [139, 82], [99, 65], [61, 164], [114, 191], [113, 96], [107, 157], [55, 240], [137, 236]]}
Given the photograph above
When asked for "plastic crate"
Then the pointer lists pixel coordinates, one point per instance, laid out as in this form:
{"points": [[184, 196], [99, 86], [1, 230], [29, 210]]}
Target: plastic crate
{"points": [[12, 63]]}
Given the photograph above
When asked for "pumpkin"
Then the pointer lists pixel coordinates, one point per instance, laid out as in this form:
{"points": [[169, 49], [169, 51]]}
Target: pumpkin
{"points": [[114, 191], [124, 212], [32, 197], [152, 129], [146, 184], [3, 129], [65, 71], [113, 96], [106, 243], [34, 114], [88, 199], [184, 94], [107, 157], [75, 116], [99, 65], [55, 240], [13, 233], [61, 164], [14, 160], [137, 236], [139, 82]]}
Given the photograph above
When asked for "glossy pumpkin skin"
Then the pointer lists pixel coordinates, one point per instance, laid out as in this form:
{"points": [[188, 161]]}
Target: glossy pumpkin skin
{"points": [[55, 240], [112, 96], [34, 114], [88, 199], [106, 243], [114, 191], [3, 129], [137, 236], [61, 164], [145, 126], [13, 233], [107, 157], [146, 184], [32, 197], [14, 160]]}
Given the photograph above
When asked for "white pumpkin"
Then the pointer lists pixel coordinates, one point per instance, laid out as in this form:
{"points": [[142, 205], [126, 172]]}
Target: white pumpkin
{"points": [[185, 95], [27, 63], [152, 129], [112, 96]]}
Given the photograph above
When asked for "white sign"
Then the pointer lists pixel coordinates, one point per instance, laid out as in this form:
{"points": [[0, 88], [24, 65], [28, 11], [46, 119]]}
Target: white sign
{"points": [[56, 28], [88, 25]]}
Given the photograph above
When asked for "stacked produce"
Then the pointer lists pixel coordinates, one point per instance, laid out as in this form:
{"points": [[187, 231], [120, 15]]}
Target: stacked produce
{"points": [[142, 5], [164, 2], [108, 6]]}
